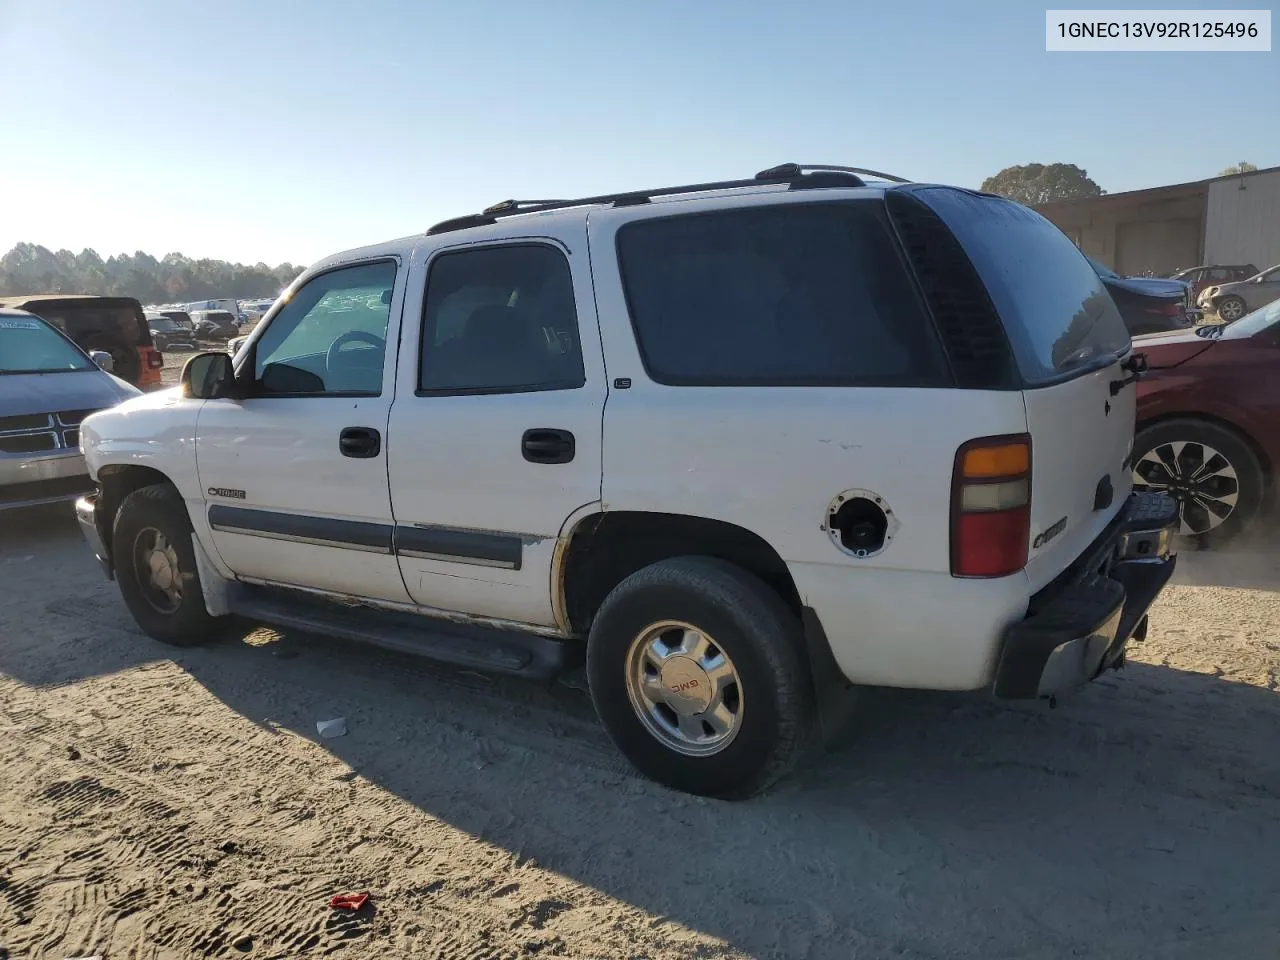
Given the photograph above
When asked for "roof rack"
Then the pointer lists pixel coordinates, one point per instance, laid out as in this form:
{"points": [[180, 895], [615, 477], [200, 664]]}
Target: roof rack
{"points": [[796, 176]]}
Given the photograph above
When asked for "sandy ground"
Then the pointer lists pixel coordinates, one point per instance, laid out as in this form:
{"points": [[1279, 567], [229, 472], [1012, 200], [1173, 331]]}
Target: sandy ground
{"points": [[159, 803]]}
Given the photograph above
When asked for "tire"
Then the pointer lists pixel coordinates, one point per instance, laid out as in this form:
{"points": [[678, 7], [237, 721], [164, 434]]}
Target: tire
{"points": [[1188, 445], [1231, 308], [160, 510], [749, 627]]}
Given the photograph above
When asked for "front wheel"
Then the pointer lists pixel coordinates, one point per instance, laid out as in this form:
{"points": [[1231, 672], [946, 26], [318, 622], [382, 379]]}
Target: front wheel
{"points": [[1231, 308], [155, 566], [1210, 471], [695, 669]]}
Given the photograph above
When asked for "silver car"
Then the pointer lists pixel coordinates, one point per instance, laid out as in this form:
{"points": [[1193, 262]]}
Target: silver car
{"points": [[1231, 301], [47, 386]]}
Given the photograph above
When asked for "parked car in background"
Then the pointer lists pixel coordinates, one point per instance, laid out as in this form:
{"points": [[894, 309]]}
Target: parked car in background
{"points": [[115, 325], [1207, 276], [181, 316], [214, 324], [1231, 301], [1209, 422], [47, 386], [1148, 304], [168, 334], [235, 343], [228, 304]]}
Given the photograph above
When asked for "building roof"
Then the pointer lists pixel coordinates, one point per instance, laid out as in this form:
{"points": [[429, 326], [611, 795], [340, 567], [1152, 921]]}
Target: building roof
{"points": [[1147, 194]]}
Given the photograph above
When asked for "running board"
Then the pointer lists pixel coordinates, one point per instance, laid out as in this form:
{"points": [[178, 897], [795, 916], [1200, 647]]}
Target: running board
{"points": [[490, 649]]}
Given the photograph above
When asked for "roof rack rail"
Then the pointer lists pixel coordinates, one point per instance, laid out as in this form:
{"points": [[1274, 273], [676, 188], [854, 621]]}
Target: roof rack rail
{"points": [[791, 170], [794, 175]]}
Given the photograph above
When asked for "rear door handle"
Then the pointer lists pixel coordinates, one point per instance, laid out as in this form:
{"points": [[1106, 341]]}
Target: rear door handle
{"points": [[547, 445], [361, 443]]}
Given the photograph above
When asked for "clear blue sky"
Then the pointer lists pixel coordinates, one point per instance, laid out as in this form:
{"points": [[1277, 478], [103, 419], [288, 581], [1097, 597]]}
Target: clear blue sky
{"points": [[287, 129]]}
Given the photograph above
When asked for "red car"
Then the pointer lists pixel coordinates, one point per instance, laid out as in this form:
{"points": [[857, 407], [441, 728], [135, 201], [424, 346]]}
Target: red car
{"points": [[1209, 421]]}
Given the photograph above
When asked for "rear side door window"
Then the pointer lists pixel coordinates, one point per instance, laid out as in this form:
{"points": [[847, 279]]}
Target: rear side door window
{"points": [[500, 319], [331, 337], [801, 294]]}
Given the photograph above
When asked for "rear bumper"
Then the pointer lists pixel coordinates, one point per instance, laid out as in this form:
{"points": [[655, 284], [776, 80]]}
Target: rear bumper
{"points": [[1079, 625], [87, 515]]}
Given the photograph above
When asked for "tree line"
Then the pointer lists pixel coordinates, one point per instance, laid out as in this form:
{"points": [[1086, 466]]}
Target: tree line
{"points": [[32, 269]]}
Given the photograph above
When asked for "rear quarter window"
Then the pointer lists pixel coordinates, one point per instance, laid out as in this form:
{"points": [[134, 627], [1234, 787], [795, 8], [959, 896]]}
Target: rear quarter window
{"points": [[1057, 313], [803, 294]]}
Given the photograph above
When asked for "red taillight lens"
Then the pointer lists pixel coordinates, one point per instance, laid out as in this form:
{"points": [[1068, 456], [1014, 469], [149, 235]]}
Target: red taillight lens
{"points": [[991, 506], [155, 359], [1166, 310]]}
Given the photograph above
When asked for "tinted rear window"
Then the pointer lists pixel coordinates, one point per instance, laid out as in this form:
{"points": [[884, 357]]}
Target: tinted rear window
{"points": [[806, 294], [81, 319], [1055, 309]]}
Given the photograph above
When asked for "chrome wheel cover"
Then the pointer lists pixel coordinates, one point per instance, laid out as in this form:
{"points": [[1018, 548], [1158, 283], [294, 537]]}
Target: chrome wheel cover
{"points": [[684, 688], [158, 570]]}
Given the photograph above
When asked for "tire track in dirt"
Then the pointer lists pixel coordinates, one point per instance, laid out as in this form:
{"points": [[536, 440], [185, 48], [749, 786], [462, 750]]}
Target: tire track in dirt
{"points": [[554, 722], [155, 869]]}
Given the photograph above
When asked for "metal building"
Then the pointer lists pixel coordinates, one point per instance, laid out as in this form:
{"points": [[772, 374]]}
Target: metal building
{"points": [[1227, 220]]}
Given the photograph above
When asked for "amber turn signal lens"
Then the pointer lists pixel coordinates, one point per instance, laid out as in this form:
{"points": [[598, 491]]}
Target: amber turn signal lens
{"points": [[1006, 460]]}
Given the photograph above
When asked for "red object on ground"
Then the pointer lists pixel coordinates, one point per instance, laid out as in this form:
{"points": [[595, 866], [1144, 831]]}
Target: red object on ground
{"points": [[348, 901]]}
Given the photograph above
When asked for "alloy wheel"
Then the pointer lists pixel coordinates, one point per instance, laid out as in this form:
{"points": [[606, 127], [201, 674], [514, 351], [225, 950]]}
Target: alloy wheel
{"points": [[1231, 310], [1203, 482]]}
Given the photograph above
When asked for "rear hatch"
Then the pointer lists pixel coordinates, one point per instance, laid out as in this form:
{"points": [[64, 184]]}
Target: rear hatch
{"points": [[1068, 342]]}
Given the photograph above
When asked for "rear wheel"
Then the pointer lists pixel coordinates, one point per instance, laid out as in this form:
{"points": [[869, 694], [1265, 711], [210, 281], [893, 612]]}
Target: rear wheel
{"points": [[1231, 308], [1210, 470], [695, 671], [156, 567]]}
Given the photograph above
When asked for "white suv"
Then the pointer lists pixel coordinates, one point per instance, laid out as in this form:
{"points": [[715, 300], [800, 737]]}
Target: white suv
{"points": [[740, 446]]}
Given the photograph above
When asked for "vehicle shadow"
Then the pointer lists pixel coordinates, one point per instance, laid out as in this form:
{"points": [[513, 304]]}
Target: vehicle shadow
{"points": [[1140, 814], [1135, 814]]}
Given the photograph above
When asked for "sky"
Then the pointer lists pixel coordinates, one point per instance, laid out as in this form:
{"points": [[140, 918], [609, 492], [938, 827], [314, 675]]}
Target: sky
{"points": [[285, 130]]}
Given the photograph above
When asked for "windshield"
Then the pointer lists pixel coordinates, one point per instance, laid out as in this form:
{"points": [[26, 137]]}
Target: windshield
{"points": [[165, 324], [28, 345]]}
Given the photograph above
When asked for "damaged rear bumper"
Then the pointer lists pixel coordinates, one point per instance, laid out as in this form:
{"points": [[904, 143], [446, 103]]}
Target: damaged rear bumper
{"points": [[1078, 626]]}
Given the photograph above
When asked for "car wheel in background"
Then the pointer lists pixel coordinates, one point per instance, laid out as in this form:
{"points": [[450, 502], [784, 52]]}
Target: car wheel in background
{"points": [[1231, 308], [155, 566], [695, 669], [1209, 469]]}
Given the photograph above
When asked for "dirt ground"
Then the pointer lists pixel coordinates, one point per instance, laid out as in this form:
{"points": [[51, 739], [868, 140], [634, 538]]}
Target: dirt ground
{"points": [[162, 803]]}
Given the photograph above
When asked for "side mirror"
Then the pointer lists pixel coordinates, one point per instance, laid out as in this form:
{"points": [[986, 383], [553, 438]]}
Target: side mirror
{"points": [[102, 359], [208, 376]]}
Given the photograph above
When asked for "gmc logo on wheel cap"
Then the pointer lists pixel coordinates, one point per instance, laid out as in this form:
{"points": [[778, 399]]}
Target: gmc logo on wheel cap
{"points": [[681, 687]]}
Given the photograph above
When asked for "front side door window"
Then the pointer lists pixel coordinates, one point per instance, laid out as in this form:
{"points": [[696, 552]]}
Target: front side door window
{"points": [[330, 339]]}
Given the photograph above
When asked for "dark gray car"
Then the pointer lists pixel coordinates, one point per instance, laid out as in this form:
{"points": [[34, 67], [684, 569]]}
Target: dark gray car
{"points": [[47, 386]]}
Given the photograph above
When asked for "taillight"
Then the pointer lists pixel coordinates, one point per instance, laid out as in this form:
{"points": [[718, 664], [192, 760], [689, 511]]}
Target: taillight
{"points": [[1171, 309], [991, 506], [155, 359]]}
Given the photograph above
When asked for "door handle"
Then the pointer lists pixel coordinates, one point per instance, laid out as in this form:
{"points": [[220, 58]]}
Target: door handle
{"points": [[361, 443], [547, 445]]}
